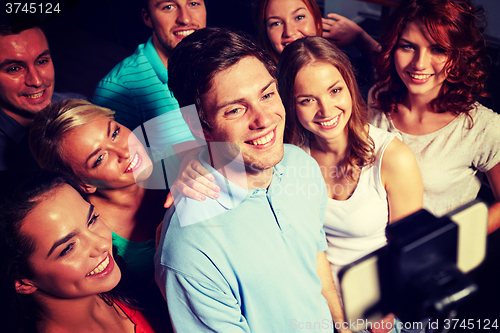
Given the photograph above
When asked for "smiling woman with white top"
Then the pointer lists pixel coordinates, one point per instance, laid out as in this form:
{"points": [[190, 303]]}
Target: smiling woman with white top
{"points": [[432, 70]]}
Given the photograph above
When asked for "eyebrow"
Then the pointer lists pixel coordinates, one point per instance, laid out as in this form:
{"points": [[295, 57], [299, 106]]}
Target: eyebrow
{"points": [[411, 43], [95, 152], [19, 62], [71, 234], [239, 100], [295, 11], [330, 87], [43, 54]]}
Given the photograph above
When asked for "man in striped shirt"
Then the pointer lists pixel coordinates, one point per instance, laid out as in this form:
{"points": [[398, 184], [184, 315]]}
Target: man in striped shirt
{"points": [[136, 89]]}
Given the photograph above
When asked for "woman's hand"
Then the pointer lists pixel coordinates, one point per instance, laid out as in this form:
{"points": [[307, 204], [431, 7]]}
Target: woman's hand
{"points": [[194, 181], [341, 30]]}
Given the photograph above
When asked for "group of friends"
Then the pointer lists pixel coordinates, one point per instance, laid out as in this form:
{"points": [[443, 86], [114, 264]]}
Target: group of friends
{"points": [[284, 173]]}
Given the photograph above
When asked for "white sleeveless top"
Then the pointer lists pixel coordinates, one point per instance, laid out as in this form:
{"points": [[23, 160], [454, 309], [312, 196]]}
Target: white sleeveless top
{"points": [[356, 226]]}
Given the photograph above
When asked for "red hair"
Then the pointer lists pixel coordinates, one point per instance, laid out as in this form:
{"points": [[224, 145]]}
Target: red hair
{"points": [[264, 41], [457, 27]]}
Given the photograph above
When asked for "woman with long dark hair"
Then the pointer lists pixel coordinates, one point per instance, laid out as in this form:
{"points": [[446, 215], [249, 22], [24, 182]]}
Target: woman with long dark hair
{"points": [[57, 267]]}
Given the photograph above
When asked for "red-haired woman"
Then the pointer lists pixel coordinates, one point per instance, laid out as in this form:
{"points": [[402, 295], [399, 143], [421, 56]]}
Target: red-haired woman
{"points": [[431, 72]]}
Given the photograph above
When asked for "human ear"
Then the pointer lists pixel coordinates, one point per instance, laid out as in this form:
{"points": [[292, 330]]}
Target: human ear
{"points": [[25, 286], [89, 189], [146, 17], [196, 128]]}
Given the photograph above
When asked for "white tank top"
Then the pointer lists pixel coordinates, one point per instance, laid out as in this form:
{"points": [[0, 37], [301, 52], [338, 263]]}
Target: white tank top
{"points": [[356, 226]]}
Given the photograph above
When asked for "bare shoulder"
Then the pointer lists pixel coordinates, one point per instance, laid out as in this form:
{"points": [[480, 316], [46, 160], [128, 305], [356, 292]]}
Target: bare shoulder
{"points": [[398, 160]]}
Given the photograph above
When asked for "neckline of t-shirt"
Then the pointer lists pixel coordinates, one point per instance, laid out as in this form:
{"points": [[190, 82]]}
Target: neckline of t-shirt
{"points": [[436, 132]]}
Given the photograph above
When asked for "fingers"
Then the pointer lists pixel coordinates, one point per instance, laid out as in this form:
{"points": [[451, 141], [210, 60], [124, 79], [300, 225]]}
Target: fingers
{"points": [[327, 23], [195, 182], [195, 190], [196, 166], [169, 201], [335, 16]]}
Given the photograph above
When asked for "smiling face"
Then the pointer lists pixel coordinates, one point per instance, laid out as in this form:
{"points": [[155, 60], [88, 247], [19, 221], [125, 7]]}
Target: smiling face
{"points": [[243, 107], [106, 154], [173, 20], [286, 21], [322, 100], [26, 74], [73, 247], [420, 61]]}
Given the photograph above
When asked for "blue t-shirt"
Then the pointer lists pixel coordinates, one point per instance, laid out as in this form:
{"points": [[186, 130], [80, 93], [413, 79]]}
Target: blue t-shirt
{"points": [[250, 265], [136, 89]]}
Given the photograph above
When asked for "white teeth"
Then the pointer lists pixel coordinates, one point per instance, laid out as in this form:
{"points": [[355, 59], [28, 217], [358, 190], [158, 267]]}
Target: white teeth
{"points": [[35, 95], [420, 76], [329, 123], [133, 163], [184, 33], [102, 266], [264, 139]]}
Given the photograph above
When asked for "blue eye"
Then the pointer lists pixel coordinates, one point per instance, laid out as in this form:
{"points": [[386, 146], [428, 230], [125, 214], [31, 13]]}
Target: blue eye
{"points": [[267, 96], [98, 161], [115, 133], [232, 112]]}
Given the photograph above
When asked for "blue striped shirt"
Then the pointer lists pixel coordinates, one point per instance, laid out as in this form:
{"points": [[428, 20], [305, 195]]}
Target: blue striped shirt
{"points": [[136, 89]]}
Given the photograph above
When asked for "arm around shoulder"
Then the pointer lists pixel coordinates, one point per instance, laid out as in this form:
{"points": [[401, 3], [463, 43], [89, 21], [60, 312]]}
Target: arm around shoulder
{"points": [[402, 180]]}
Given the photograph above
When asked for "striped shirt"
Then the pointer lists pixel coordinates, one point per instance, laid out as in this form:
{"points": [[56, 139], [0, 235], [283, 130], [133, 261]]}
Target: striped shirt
{"points": [[136, 89]]}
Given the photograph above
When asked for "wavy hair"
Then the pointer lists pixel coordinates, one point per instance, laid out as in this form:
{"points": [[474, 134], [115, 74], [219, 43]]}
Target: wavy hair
{"points": [[311, 49], [457, 27], [260, 18]]}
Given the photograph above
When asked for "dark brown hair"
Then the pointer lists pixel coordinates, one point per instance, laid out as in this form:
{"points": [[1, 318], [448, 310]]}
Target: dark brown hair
{"points": [[196, 60]]}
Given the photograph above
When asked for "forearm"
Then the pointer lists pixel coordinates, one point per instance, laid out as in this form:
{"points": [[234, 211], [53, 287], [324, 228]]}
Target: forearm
{"points": [[367, 45], [329, 291], [493, 217]]}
